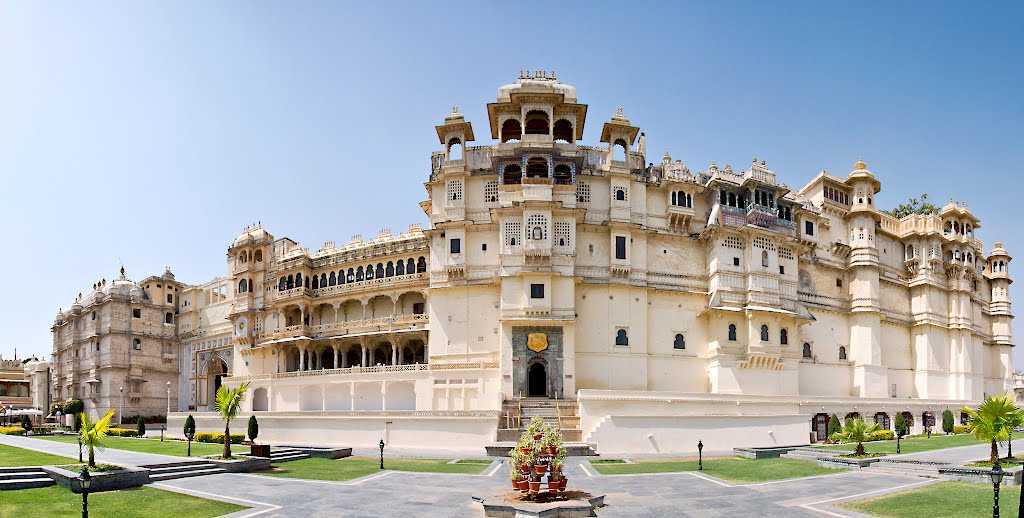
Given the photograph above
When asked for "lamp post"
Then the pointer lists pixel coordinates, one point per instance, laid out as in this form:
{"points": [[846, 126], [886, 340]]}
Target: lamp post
{"points": [[59, 424], [120, 411], [79, 448], [997, 478], [168, 398], [700, 456], [85, 480], [381, 453]]}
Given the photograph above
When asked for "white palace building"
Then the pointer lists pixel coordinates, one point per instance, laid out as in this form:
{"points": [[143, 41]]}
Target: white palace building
{"points": [[642, 306]]}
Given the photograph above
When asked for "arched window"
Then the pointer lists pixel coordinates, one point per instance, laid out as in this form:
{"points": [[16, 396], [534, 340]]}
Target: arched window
{"points": [[511, 130], [679, 342], [537, 123], [537, 167], [259, 256], [368, 272], [291, 281], [512, 174], [842, 352], [281, 284], [689, 200], [807, 350], [359, 274], [379, 272], [400, 268], [249, 287], [316, 282], [732, 332], [351, 277], [784, 337], [169, 318], [410, 266], [537, 234], [323, 279], [332, 280], [621, 338], [241, 286], [732, 199], [674, 198], [454, 149], [563, 130], [421, 265], [307, 282], [619, 150], [389, 270], [764, 258], [563, 174], [764, 333], [620, 194], [298, 279], [341, 276]]}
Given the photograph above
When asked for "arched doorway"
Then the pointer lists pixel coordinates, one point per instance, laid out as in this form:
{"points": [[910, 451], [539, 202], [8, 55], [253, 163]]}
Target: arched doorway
{"points": [[538, 380], [215, 375]]}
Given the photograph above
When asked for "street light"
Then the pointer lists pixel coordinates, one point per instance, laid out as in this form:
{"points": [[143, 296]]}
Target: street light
{"points": [[997, 478], [79, 448], [381, 453], [168, 398], [700, 456], [120, 411], [85, 480]]}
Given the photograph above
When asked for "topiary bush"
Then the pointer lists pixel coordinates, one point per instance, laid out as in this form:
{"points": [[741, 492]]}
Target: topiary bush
{"points": [[254, 429], [961, 428], [833, 426], [26, 423], [901, 425], [947, 421], [12, 430], [882, 435], [141, 429], [122, 432], [218, 437]]}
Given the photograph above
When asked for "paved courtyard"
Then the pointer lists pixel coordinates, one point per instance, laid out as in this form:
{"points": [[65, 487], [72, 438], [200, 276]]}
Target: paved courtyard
{"points": [[393, 493]]}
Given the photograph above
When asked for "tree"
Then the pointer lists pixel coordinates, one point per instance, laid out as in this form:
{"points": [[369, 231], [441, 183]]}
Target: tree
{"points": [[856, 430], [141, 430], [992, 421], [227, 404], [833, 426], [26, 423], [901, 425], [74, 407], [93, 433], [1016, 420], [947, 421], [190, 432], [914, 206], [254, 429]]}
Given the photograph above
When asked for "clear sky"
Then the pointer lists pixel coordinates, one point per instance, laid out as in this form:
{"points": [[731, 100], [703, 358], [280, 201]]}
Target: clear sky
{"points": [[149, 133]]}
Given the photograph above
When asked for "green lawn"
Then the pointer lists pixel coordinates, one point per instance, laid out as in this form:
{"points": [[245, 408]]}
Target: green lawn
{"points": [[354, 467], [145, 502], [168, 447], [913, 444], [733, 469], [941, 500], [11, 456]]}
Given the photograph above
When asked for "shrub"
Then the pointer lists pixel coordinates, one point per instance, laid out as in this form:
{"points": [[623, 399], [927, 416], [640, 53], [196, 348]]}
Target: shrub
{"points": [[26, 423], [122, 432], [882, 435], [947, 421], [12, 430], [73, 406], [254, 429], [833, 426], [218, 437], [141, 430], [961, 428], [901, 425]]}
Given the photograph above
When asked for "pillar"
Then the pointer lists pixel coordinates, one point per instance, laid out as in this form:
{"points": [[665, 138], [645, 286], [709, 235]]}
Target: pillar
{"points": [[302, 358], [335, 348], [394, 354], [384, 395], [352, 396], [363, 347]]}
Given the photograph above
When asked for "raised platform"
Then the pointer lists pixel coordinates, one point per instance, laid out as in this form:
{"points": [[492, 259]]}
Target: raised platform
{"points": [[770, 452], [572, 449], [574, 504]]}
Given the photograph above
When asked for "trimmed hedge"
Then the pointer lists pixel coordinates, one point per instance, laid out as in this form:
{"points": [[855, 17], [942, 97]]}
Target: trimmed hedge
{"points": [[218, 437], [12, 430], [882, 435], [961, 428], [122, 432]]}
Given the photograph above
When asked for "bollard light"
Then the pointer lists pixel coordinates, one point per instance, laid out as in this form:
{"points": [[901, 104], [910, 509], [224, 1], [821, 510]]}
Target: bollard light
{"points": [[85, 480], [997, 478], [381, 453], [700, 455]]}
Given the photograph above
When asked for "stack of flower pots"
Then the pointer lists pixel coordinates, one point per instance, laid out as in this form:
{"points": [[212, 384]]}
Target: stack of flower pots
{"points": [[537, 458]]}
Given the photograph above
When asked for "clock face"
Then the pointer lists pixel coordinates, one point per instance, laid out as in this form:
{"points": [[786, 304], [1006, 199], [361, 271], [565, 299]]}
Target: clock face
{"points": [[241, 326]]}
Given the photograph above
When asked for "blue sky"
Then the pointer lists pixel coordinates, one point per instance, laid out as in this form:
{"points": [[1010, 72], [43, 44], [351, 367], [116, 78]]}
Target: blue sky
{"points": [[150, 133]]}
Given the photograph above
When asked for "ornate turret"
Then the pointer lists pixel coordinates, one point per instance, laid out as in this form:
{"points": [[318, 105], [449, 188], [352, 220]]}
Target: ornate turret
{"points": [[454, 134]]}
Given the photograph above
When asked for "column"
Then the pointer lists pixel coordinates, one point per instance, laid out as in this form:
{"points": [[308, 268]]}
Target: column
{"points": [[384, 396], [362, 345], [394, 353], [401, 355], [344, 359], [302, 358], [352, 396], [335, 348]]}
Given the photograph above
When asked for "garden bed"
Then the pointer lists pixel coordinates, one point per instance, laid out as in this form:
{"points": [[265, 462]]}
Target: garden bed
{"points": [[240, 464], [108, 480]]}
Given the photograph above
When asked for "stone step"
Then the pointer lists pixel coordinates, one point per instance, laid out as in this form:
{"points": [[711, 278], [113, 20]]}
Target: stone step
{"points": [[286, 458], [23, 475], [573, 449], [20, 469], [170, 475], [25, 483], [181, 467]]}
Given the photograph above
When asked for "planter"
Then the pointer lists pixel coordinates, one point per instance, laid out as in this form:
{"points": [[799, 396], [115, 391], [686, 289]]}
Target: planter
{"points": [[534, 486], [553, 485], [101, 481], [241, 464], [552, 450], [259, 450], [561, 483], [523, 484], [540, 469], [537, 436]]}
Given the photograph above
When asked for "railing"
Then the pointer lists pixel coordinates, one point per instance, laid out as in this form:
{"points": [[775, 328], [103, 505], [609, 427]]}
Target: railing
{"points": [[364, 284], [375, 369]]}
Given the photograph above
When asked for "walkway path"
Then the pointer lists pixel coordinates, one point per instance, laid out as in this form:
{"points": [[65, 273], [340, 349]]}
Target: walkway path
{"points": [[963, 454], [393, 493]]}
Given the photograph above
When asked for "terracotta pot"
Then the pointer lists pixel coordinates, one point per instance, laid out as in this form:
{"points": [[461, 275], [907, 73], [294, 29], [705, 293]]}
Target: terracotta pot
{"points": [[540, 469], [534, 486], [526, 449], [515, 484], [553, 485], [522, 484], [561, 483], [537, 436], [553, 450]]}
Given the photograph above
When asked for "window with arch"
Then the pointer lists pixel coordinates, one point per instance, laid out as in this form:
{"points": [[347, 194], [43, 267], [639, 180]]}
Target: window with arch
{"points": [[764, 333], [291, 281], [512, 174], [316, 282], [242, 286], [400, 268], [842, 352], [368, 272], [249, 285], [379, 272], [454, 149], [511, 130], [168, 318], [512, 230], [538, 226], [359, 273], [784, 337], [421, 264], [619, 150], [298, 280], [732, 332], [621, 338], [259, 256], [410, 265], [764, 258], [563, 131], [389, 270], [282, 284], [537, 167], [807, 351], [620, 194], [679, 342], [137, 344], [332, 280], [537, 123]]}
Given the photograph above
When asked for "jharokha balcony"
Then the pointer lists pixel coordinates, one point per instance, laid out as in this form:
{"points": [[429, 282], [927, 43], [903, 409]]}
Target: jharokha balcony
{"points": [[349, 327]]}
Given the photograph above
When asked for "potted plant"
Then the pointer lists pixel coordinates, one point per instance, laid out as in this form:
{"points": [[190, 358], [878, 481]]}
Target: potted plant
{"points": [[536, 428], [552, 441]]}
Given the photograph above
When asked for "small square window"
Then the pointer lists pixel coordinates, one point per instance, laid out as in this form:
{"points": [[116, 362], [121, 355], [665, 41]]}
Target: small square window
{"points": [[735, 261], [536, 291], [839, 282], [136, 313], [782, 270], [455, 246], [170, 298], [483, 247], [809, 228], [620, 247]]}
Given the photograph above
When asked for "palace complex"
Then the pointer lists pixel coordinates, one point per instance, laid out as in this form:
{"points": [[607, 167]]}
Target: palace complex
{"points": [[642, 306]]}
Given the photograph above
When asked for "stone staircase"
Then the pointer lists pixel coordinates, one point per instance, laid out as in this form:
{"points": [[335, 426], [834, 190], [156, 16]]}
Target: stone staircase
{"points": [[23, 478], [811, 453], [173, 470], [517, 413], [923, 469], [287, 454]]}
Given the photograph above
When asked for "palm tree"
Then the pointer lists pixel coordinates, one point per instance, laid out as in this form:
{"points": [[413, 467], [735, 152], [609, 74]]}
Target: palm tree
{"points": [[93, 433], [1016, 420], [228, 403], [856, 430], [992, 421]]}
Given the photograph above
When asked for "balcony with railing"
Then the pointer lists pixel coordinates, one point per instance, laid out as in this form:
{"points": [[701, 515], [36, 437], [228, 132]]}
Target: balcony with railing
{"points": [[388, 372], [756, 215], [394, 281]]}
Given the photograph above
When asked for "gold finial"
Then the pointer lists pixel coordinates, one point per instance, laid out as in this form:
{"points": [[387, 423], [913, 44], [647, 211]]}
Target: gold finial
{"points": [[859, 165]]}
